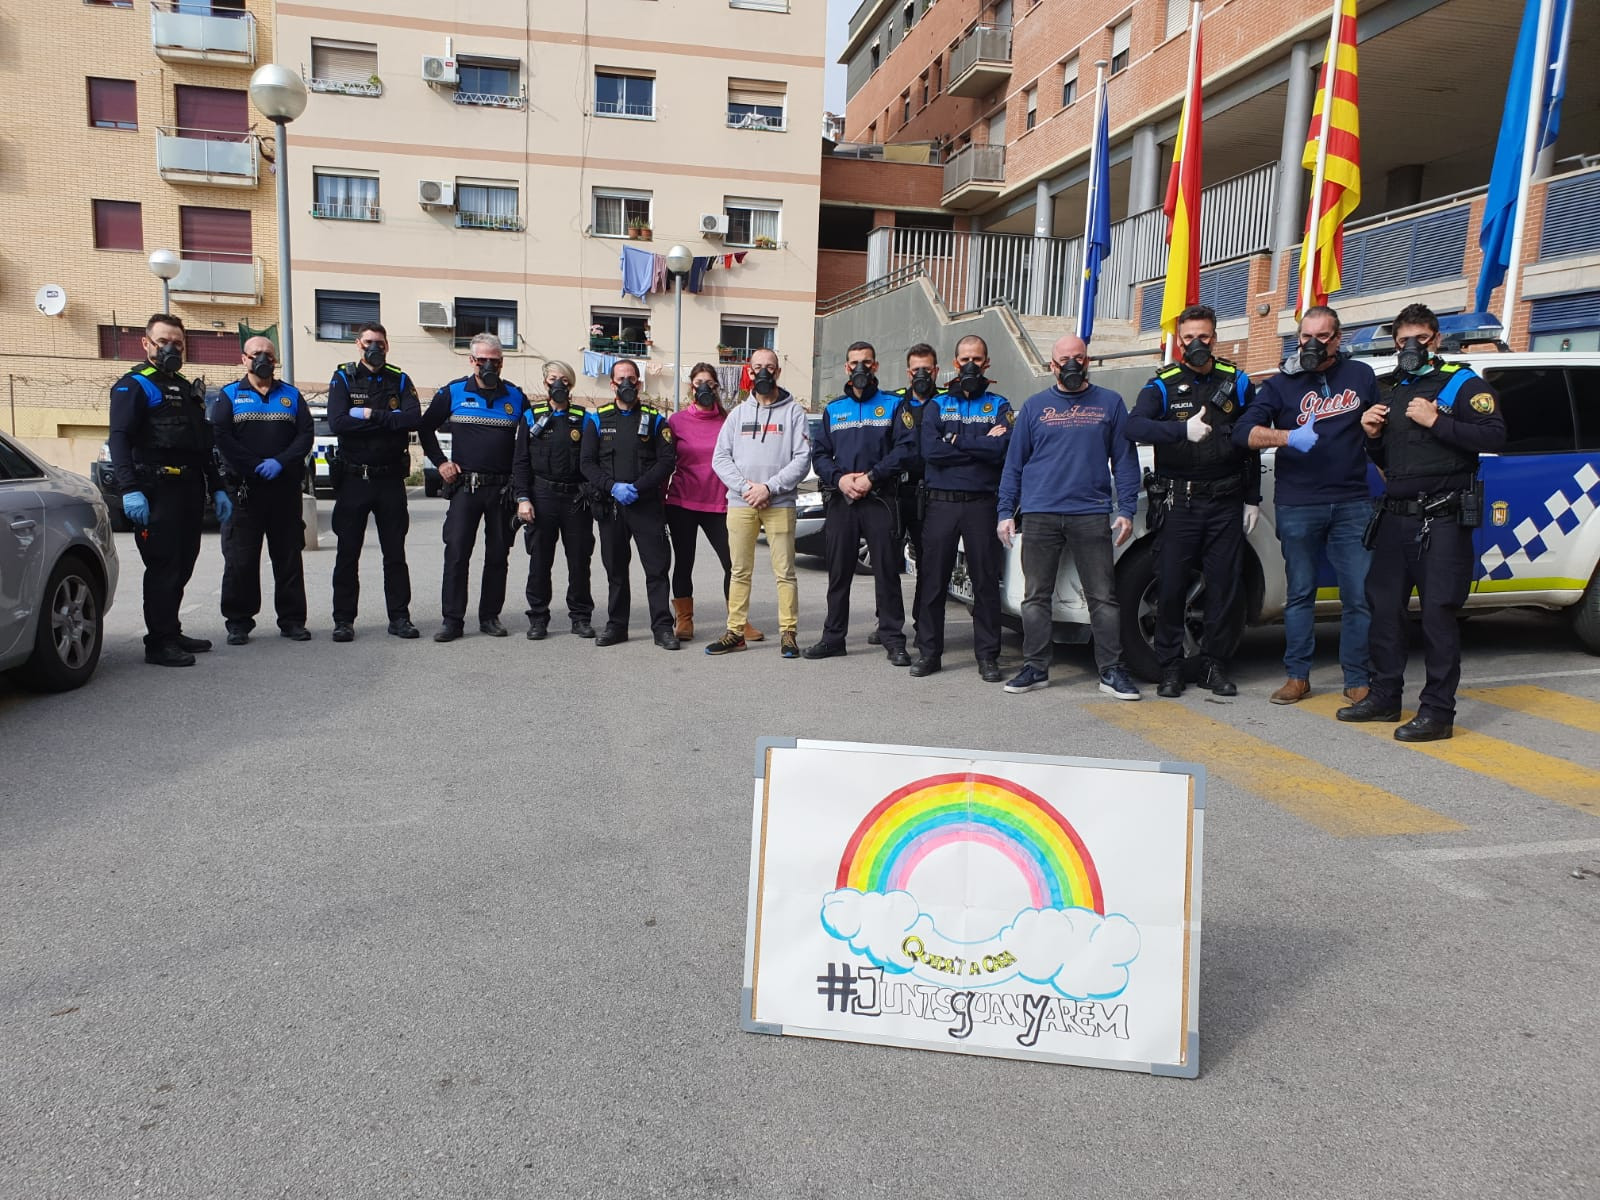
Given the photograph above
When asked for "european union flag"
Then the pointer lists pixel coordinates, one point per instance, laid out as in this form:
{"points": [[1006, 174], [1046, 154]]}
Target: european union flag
{"points": [[1097, 230]]}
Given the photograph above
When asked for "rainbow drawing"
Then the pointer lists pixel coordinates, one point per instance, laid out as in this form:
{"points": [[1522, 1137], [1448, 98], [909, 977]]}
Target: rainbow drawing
{"points": [[912, 822]]}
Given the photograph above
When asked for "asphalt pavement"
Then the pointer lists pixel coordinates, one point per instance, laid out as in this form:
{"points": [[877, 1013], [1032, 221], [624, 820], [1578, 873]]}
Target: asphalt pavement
{"points": [[397, 919]]}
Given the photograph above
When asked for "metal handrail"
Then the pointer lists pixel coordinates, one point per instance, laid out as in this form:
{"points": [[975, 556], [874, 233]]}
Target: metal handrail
{"points": [[482, 220], [898, 278]]}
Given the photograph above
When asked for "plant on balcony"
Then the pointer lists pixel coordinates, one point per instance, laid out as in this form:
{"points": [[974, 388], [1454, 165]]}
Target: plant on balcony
{"points": [[639, 231], [766, 243], [727, 354]]}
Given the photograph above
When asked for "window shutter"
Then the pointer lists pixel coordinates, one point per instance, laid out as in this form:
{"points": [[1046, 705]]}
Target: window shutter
{"points": [[1559, 314], [1121, 37], [213, 114], [1571, 217], [114, 102], [346, 308], [753, 91], [343, 62], [118, 225], [215, 234], [1177, 17]]}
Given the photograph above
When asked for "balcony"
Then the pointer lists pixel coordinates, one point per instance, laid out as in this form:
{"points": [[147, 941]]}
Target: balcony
{"points": [[973, 176], [221, 279], [982, 62], [179, 34], [346, 212], [482, 220], [755, 121], [212, 157], [491, 100]]}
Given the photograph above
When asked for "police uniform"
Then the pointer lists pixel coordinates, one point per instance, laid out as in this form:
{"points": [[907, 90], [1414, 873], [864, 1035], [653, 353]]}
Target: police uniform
{"points": [[911, 474], [251, 427], [483, 429], [962, 462], [874, 436], [631, 446], [161, 445], [1424, 536], [547, 471], [373, 460], [1198, 498]]}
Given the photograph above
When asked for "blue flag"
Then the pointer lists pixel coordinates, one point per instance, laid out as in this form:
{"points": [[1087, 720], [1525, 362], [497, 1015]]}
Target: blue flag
{"points": [[1505, 181], [1097, 239]]}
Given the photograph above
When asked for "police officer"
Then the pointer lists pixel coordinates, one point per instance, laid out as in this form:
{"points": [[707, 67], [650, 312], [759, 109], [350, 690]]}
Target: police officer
{"points": [[373, 408], [547, 477], [1204, 498], [1433, 420], [263, 430], [964, 436], [922, 372], [484, 412], [161, 457], [861, 450], [627, 458]]}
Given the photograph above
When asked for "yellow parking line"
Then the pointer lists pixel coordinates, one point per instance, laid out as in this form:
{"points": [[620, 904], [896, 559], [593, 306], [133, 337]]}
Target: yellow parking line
{"points": [[1542, 702], [1513, 765], [1328, 799]]}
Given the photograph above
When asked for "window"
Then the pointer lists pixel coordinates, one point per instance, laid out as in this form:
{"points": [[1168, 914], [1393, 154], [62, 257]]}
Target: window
{"points": [[753, 223], [113, 104], [15, 465], [908, 14], [498, 317], [905, 107], [877, 55], [1121, 39], [756, 104], [1030, 100], [938, 74], [347, 67], [616, 211], [201, 346], [1177, 17], [118, 225], [925, 93], [872, 134], [1537, 409], [1585, 383], [341, 197], [110, 4], [1069, 82], [487, 206], [340, 314], [742, 336], [620, 331], [777, 6], [214, 234], [489, 82], [620, 95], [997, 129], [213, 114]]}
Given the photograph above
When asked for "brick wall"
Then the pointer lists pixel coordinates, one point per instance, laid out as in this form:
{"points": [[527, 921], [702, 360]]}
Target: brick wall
{"points": [[878, 100], [881, 184], [839, 271]]}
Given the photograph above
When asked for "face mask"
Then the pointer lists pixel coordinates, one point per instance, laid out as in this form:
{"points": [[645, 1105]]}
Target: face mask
{"points": [[922, 383], [559, 391], [375, 357], [1197, 355], [262, 366], [1072, 375], [763, 384], [971, 381], [1311, 355], [1413, 358], [628, 390], [169, 358], [489, 375], [863, 381], [705, 396]]}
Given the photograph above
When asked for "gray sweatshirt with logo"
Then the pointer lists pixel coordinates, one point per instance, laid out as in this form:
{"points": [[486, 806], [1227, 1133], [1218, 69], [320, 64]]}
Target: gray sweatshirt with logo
{"points": [[764, 443]]}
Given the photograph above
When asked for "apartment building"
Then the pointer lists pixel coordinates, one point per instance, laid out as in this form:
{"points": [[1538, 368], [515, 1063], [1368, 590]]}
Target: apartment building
{"points": [[484, 167], [144, 140]]}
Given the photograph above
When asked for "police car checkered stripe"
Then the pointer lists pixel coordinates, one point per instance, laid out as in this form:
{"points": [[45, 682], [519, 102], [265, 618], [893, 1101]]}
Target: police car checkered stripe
{"points": [[1569, 506]]}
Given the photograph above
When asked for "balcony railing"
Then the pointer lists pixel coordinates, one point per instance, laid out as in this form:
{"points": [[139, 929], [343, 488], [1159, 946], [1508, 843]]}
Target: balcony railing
{"points": [[340, 87], [220, 158], [481, 220], [179, 34], [220, 279], [754, 121], [975, 165], [347, 212], [620, 348], [491, 100], [981, 62], [617, 108]]}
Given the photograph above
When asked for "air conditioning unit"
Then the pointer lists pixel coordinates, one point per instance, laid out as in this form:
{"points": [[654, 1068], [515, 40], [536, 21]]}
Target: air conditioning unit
{"points": [[436, 193], [441, 71], [435, 314], [714, 224]]}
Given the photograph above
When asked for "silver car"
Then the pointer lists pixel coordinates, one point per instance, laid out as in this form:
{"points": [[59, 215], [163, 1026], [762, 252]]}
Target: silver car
{"points": [[58, 572]]}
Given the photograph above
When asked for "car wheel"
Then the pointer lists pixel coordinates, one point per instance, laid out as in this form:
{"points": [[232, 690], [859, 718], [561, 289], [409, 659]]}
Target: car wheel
{"points": [[66, 646], [1586, 616], [1136, 598]]}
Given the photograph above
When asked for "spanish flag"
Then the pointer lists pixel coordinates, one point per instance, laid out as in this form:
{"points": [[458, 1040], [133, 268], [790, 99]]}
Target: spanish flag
{"points": [[1335, 163], [1183, 200]]}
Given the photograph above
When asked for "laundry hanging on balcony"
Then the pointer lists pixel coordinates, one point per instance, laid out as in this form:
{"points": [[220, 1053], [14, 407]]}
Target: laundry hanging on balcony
{"points": [[638, 271], [599, 365], [644, 272]]}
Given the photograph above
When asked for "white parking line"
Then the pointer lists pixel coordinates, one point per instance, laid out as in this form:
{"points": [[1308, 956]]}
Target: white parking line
{"points": [[1421, 862], [1531, 675]]}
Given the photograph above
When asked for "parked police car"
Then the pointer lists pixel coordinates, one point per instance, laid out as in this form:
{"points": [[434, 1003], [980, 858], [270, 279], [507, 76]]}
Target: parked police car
{"points": [[1538, 545]]}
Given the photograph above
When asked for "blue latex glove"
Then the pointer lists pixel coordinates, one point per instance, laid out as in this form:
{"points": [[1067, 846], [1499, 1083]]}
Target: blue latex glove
{"points": [[624, 493], [1305, 437], [224, 507], [136, 507], [269, 468]]}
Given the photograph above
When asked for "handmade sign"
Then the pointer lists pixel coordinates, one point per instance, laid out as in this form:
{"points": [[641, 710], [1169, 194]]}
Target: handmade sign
{"points": [[1021, 906]]}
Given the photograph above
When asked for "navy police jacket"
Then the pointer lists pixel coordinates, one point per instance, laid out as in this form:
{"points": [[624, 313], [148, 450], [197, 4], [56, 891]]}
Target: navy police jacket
{"points": [[958, 450], [875, 435]]}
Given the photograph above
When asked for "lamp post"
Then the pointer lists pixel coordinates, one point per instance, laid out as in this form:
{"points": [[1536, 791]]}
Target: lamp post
{"points": [[280, 96], [679, 260], [165, 265]]}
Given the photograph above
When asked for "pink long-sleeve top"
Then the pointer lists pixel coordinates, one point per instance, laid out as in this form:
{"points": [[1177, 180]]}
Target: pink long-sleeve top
{"points": [[694, 484]]}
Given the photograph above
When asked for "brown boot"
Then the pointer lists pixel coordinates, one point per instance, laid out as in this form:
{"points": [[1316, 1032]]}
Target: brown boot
{"points": [[1356, 694], [752, 634], [1292, 692], [683, 627]]}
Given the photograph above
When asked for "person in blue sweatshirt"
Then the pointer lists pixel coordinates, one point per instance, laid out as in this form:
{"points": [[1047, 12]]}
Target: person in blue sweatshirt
{"points": [[1069, 467], [1311, 412], [964, 436]]}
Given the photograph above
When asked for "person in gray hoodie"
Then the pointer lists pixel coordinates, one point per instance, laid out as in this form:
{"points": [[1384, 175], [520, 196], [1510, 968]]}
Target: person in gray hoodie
{"points": [[762, 454]]}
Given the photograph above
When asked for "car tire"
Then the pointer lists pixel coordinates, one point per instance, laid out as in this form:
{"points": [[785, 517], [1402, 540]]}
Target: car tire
{"points": [[1136, 600], [1586, 615], [66, 645]]}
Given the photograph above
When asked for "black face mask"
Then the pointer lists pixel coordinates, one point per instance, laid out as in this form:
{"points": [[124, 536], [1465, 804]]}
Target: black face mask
{"points": [[1072, 375], [559, 391], [863, 381], [1413, 357], [762, 383], [168, 359], [1197, 355], [628, 391], [922, 383], [971, 382], [375, 357], [489, 376], [705, 396], [1311, 355], [262, 366]]}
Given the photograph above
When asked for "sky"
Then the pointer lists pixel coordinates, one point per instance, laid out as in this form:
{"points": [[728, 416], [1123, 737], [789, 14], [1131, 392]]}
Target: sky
{"points": [[838, 28]]}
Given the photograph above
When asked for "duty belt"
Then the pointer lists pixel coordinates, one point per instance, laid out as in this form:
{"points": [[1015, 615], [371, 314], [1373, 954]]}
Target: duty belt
{"points": [[153, 471], [473, 480], [371, 471], [555, 485], [1204, 489], [959, 497], [1439, 506]]}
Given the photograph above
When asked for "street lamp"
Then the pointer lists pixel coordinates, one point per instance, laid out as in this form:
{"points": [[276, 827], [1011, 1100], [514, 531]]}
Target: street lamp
{"points": [[165, 265], [679, 260], [280, 96]]}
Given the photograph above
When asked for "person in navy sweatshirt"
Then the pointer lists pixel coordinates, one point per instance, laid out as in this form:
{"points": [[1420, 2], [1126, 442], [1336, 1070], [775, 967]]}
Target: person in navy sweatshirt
{"points": [[1311, 412], [1067, 450]]}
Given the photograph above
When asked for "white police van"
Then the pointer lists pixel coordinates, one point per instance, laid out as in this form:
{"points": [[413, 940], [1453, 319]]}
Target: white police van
{"points": [[1537, 547]]}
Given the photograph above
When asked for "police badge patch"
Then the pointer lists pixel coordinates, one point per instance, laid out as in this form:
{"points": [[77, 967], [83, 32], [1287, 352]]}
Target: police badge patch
{"points": [[988, 406], [666, 433], [286, 402], [878, 412], [577, 435], [508, 409], [1483, 402], [905, 419]]}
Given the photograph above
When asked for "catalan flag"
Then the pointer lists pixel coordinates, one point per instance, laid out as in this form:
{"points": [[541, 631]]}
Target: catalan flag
{"points": [[1335, 163], [1183, 200]]}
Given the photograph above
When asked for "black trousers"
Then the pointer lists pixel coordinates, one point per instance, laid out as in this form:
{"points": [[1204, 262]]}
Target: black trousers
{"points": [[970, 523], [1208, 531], [641, 524], [1441, 572], [271, 512], [684, 526], [385, 499], [557, 516], [169, 546], [489, 507], [844, 524], [911, 521]]}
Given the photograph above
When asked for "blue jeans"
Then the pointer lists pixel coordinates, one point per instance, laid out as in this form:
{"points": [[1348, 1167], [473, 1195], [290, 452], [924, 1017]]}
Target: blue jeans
{"points": [[1305, 531]]}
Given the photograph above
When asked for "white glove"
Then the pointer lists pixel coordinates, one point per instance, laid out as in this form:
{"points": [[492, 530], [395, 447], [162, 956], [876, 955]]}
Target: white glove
{"points": [[1006, 531], [1252, 514], [1197, 430]]}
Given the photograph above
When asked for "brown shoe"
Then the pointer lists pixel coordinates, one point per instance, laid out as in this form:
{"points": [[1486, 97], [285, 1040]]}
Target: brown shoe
{"points": [[752, 634], [1356, 694], [1292, 692], [683, 623]]}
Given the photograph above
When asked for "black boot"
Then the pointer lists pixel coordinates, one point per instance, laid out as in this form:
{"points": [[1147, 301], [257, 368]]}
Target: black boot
{"points": [[1171, 686]]}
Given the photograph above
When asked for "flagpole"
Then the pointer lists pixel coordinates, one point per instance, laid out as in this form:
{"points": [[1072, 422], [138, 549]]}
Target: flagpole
{"points": [[1538, 87], [1330, 68], [1084, 283], [1183, 125]]}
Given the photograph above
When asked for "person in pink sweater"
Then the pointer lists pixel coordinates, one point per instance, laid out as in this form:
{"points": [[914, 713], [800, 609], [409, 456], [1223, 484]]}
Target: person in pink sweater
{"points": [[696, 500]]}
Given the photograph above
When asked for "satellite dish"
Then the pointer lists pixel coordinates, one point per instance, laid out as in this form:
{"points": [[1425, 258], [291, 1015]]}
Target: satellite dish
{"points": [[51, 300]]}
